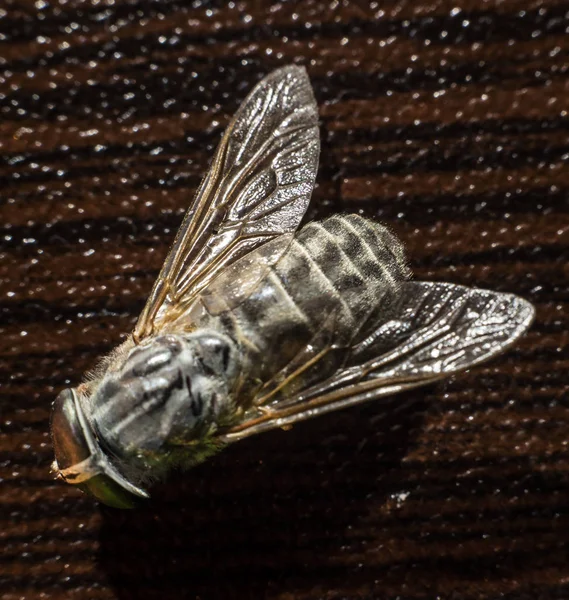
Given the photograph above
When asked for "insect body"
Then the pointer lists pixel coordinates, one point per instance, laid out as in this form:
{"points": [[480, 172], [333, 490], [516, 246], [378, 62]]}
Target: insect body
{"points": [[252, 325]]}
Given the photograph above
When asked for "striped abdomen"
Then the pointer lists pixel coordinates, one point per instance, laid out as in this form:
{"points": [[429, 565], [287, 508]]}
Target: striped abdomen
{"points": [[335, 275]]}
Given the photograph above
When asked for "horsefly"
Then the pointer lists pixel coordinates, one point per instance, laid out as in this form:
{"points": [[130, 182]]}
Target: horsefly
{"points": [[255, 323]]}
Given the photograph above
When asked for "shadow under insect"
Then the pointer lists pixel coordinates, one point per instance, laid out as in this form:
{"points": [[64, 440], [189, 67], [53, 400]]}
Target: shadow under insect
{"points": [[271, 512]]}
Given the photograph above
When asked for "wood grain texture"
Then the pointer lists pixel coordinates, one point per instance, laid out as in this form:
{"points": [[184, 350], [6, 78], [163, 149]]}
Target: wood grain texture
{"points": [[447, 120]]}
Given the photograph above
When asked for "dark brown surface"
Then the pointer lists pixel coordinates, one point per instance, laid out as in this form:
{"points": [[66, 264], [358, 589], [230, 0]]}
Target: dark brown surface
{"points": [[449, 125]]}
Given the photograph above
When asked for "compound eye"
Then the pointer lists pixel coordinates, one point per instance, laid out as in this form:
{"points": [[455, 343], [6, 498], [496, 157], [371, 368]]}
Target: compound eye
{"points": [[68, 437], [73, 443]]}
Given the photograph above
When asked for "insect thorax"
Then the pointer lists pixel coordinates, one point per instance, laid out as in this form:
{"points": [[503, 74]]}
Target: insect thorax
{"points": [[170, 391]]}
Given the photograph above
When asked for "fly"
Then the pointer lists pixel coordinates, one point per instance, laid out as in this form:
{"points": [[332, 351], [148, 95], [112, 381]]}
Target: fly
{"points": [[255, 324]]}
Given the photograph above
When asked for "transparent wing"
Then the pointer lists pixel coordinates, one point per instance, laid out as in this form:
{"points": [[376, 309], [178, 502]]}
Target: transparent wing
{"points": [[258, 187], [436, 330]]}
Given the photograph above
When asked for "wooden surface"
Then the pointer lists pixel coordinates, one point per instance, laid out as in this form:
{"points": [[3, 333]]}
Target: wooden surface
{"points": [[448, 121]]}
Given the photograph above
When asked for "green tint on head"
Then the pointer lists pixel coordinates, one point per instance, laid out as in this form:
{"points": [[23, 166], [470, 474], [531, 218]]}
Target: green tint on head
{"points": [[109, 492]]}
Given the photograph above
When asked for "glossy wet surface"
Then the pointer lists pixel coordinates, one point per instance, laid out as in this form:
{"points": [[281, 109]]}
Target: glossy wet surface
{"points": [[446, 120]]}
